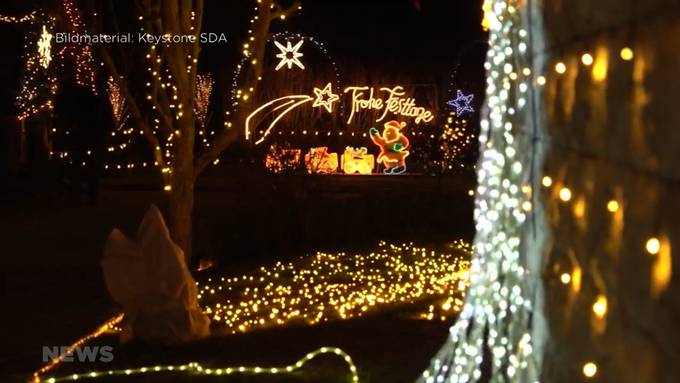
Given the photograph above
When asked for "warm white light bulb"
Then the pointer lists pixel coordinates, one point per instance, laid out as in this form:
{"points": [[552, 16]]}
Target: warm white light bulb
{"points": [[589, 369], [653, 246], [587, 59]]}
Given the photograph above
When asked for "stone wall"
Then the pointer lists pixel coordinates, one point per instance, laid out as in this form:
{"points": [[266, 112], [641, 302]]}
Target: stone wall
{"points": [[612, 129]]}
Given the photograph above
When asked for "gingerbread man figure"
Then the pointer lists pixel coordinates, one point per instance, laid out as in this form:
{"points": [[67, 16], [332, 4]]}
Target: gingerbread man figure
{"points": [[393, 145]]}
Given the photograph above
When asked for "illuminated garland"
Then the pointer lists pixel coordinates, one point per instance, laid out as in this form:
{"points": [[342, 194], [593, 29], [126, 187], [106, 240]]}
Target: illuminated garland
{"points": [[498, 309], [195, 368], [203, 90], [31, 17], [118, 104], [38, 85], [338, 286], [81, 54], [109, 325]]}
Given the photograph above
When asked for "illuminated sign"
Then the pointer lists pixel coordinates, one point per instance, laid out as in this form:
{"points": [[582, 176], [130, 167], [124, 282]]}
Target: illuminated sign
{"points": [[395, 103], [363, 98]]}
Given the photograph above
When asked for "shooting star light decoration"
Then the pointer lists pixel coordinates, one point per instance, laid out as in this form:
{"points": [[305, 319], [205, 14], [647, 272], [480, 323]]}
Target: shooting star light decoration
{"points": [[324, 97]]}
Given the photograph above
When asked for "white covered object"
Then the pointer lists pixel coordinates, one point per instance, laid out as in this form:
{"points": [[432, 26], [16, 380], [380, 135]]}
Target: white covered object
{"points": [[149, 278]]}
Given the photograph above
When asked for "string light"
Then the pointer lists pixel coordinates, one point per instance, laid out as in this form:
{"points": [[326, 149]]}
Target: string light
{"points": [[546, 181], [198, 369], [627, 54], [108, 326], [203, 91], [612, 206], [587, 59], [565, 194], [600, 306], [337, 286], [38, 85], [565, 278], [81, 53], [497, 312], [653, 246], [118, 104], [589, 369], [560, 68]]}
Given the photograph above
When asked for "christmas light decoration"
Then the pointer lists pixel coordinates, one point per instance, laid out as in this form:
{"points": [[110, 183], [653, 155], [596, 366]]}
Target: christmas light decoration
{"points": [[38, 85], [195, 368], [118, 104], [80, 53], [627, 54], [495, 324], [320, 161], [395, 103], [203, 91], [454, 141], [462, 103], [289, 55], [286, 103], [589, 369], [357, 160], [45, 48], [108, 326], [653, 245], [325, 97], [338, 286], [280, 159], [393, 146]]}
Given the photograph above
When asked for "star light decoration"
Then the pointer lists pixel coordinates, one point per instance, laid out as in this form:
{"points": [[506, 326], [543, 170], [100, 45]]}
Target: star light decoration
{"points": [[462, 103], [289, 55], [325, 97], [45, 47]]}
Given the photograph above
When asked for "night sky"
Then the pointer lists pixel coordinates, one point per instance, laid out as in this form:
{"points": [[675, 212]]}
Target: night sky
{"points": [[418, 40]]}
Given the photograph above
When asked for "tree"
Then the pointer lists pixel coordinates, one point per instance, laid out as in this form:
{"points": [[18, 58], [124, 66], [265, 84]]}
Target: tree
{"points": [[169, 126], [501, 332]]}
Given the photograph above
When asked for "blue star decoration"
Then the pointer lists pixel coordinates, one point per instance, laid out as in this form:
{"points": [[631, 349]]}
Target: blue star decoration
{"points": [[462, 103]]}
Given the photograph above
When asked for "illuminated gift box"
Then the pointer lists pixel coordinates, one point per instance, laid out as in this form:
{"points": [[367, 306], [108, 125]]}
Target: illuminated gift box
{"points": [[357, 160], [280, 159], [318, 160]]}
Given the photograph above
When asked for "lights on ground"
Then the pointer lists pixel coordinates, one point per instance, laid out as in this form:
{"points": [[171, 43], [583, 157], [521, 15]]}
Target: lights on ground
{"points": [[327, 287], [565, 194], [653, 246], [197, 369], [600, 306], [627, 54], [560, 67], [589, 369], [587, 59]]}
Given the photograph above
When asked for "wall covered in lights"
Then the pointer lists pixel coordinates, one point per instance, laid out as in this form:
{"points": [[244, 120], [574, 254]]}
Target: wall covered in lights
{"points": [[611, 191]]}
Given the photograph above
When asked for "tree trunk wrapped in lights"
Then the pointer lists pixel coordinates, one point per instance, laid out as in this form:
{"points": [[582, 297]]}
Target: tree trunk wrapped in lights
{"points": [[171, 89], [500, 333]]}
